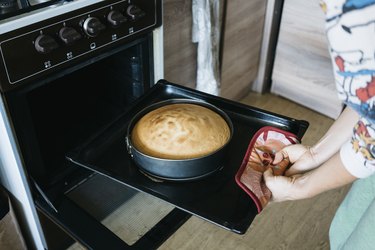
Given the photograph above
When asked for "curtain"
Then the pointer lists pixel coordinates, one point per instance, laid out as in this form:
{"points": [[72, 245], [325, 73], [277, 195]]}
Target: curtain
{"points": [[206, 33]]}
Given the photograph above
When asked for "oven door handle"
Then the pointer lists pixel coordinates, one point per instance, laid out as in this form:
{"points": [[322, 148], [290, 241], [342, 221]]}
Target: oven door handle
{"points": [[89, 232]]}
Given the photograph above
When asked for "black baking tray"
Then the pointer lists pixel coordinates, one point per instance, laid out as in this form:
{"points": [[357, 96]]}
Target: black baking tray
{"points": [[216, 198]]}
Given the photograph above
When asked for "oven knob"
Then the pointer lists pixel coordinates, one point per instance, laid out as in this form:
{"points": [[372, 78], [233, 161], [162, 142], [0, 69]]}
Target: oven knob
{"points": [[135, 12], [92, 26], [45, 44], [115, 18], [69, 35]]}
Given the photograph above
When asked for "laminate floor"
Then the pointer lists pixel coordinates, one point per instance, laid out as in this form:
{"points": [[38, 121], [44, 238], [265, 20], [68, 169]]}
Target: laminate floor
{"points": [[289, 225]]}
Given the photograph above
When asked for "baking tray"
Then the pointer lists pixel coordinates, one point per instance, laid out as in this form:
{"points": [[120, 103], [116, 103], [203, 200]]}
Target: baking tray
{"points": [[216, 198]]}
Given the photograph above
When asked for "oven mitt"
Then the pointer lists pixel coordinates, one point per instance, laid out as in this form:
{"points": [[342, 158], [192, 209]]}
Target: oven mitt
{"points": [[258, 158]]}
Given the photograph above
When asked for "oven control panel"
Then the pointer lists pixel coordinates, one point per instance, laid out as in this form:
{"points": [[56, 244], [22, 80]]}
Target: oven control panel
{"points": [[53, 44]]}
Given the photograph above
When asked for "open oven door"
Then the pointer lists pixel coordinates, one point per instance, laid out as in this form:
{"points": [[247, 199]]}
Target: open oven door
{"points": [[83, 228]]}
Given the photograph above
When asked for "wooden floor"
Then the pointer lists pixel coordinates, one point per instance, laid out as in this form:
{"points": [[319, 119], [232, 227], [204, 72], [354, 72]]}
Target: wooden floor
{"points": [[289, 225]]}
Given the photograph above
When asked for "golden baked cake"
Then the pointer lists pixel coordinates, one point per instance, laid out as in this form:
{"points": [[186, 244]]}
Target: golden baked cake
{"points": [[180, 131]]}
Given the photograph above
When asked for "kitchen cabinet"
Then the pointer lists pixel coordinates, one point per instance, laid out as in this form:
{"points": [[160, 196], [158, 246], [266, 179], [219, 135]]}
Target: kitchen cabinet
{"points": [[242, 37], [302, 68], [243, 32], [180, 53]]}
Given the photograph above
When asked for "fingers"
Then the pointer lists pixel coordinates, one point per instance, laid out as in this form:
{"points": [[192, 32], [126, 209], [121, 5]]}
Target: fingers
{"points": [[294, 152], [297, 157], [279, 156], [298, 167], [268, 174], [292, 171], [279, 169], [269, 181]]}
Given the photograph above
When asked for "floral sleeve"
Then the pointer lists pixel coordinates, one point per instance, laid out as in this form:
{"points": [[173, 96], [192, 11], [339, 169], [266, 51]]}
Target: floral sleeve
{"points": [[350, 27]]}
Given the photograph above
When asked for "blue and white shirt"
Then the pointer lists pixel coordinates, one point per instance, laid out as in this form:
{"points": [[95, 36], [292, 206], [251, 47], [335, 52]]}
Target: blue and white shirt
{"points": [[350, 27]]}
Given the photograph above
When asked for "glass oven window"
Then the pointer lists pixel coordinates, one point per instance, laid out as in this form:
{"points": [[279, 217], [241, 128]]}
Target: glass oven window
{"points": [[127, 213], [69, 109]]}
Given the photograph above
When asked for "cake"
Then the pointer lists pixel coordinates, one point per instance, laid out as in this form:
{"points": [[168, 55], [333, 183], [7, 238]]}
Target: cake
{"points": [[180, 131]]}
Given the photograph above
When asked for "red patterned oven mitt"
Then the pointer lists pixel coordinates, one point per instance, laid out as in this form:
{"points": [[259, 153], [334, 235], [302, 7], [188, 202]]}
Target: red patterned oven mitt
{"points": [[259, 157]]}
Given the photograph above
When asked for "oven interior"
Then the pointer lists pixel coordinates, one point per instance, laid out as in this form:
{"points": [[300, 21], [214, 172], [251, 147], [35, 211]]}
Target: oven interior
{"points": [[67, 107], [70, 108]]}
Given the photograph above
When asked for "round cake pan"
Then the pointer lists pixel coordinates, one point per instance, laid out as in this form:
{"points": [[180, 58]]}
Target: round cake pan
{"points": [[178, 170]]}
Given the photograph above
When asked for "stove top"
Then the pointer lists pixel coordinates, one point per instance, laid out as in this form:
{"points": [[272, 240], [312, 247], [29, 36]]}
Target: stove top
{"points": [[216, 198], [10, 8]]}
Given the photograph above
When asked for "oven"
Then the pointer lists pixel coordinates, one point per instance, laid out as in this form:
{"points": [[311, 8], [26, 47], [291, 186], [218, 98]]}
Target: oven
{"points": [[72, 75], [73, 67]]}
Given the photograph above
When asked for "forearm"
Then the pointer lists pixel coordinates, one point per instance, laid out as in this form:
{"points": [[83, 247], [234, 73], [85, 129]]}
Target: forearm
{"points": [[332, 174], [340, 131]]}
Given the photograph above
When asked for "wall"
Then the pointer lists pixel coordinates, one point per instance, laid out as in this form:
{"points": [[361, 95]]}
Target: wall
{"points": [[303, 71]]}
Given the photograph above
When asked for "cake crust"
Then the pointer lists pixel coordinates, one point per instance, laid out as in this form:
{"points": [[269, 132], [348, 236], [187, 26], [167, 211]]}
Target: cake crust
{"points": [[180, 131]]}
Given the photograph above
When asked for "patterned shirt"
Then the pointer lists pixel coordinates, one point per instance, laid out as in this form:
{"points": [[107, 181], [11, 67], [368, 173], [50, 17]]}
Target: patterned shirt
{"points": [[350, 27]]}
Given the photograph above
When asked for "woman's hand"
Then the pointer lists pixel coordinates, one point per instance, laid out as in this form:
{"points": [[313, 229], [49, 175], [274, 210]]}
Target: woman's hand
{"points": [[301, 157], [331, 174], [307, 158], [316, 169], [283, 187], [287, 187]]}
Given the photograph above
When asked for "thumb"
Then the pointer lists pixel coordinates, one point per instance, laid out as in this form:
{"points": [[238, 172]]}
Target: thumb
{"points": [[293, 152], [279, 156], [268, 174], [292, 171]]}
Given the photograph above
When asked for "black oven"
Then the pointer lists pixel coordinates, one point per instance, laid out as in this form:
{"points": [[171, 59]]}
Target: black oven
{"points": [[63, 79], [70, 83]]}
